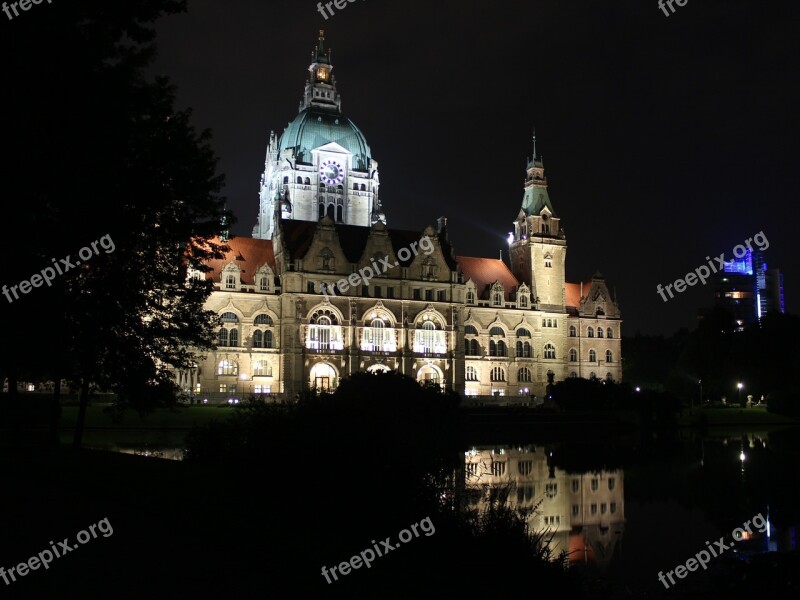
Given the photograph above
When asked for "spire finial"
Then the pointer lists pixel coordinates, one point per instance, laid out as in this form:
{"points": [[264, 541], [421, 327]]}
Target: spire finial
{"points": [[534, 144]]}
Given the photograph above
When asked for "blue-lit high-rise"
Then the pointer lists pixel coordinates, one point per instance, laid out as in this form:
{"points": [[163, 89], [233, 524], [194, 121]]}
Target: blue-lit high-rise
{"points": [[748, 288]]}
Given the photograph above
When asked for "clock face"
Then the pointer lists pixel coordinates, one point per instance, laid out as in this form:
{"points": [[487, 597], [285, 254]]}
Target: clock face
{"points": [[331, 172]]}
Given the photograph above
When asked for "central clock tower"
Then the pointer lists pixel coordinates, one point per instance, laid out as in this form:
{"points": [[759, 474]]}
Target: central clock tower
{"points": [[321, 165]]}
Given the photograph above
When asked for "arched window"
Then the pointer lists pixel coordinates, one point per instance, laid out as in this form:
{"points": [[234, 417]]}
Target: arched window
{"points": [[549, 351], [267, 339], [492, 348], [519, 348], [609, 333], [573, 332], [497, 331], [524, 375], [498, 374], [307, 181], [592, 356], [355, 187], [471, 374], [609, 377], [522, 332], [428, 337], [573, 374], [590, 332], [339, 214], [222, 337], [573, 355], [592, 376], [524, 349], [300, 180], [363, 187], [285, 180], [323, 333], [609, 356], [227, 367], [599, 332], [229, 317], [330, 211], [474, 348], [470, 329], [321, 209], [470, 297], [258, 338], [233, 337], [263, 319], [502, 350]]}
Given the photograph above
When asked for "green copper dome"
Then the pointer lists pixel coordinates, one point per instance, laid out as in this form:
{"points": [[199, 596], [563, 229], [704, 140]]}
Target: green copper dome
{"points": [[315, 127]]}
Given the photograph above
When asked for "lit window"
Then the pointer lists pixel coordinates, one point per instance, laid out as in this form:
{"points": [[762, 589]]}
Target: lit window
{"points": [[498, 468], [471, 374], [524, 375]]}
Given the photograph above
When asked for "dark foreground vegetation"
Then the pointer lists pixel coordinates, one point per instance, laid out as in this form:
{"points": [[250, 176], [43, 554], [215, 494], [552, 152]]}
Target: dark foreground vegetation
{"points": [[268, 497]]}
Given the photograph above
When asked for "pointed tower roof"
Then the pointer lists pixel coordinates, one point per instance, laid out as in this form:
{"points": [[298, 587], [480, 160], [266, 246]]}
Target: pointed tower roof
{"points": [[536, 198]]}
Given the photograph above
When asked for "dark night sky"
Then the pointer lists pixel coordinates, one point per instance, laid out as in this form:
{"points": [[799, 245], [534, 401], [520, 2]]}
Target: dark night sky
{"points": [[665, 139]]}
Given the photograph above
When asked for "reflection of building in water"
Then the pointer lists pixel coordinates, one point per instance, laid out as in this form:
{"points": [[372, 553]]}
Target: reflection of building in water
{"points": [[584, 511]]}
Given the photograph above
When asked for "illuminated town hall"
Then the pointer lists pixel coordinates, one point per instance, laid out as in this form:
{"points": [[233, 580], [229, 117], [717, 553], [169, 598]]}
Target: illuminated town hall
{"points": [[474, 325]]}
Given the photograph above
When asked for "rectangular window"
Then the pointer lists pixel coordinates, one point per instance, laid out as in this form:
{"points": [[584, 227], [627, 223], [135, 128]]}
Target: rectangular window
{"points": [[428, 294], [223, 387], [613, 507], [498, 468], [365, 291], [551, 489], [576, 485], [261, 389], [594, 509], [575, 510], [310, 287], [416, 294], [378, 291], [441, 295], [611, 483], [594, 485], [390, 292], [603, 508]]}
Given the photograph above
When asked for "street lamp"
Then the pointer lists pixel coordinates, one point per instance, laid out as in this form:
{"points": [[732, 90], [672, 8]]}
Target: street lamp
{"points": [[740, 385]]}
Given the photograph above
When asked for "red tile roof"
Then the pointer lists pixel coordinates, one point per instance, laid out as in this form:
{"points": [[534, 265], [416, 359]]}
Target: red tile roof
{"points": [[249, 254], [573, 293], [485, 271]]}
